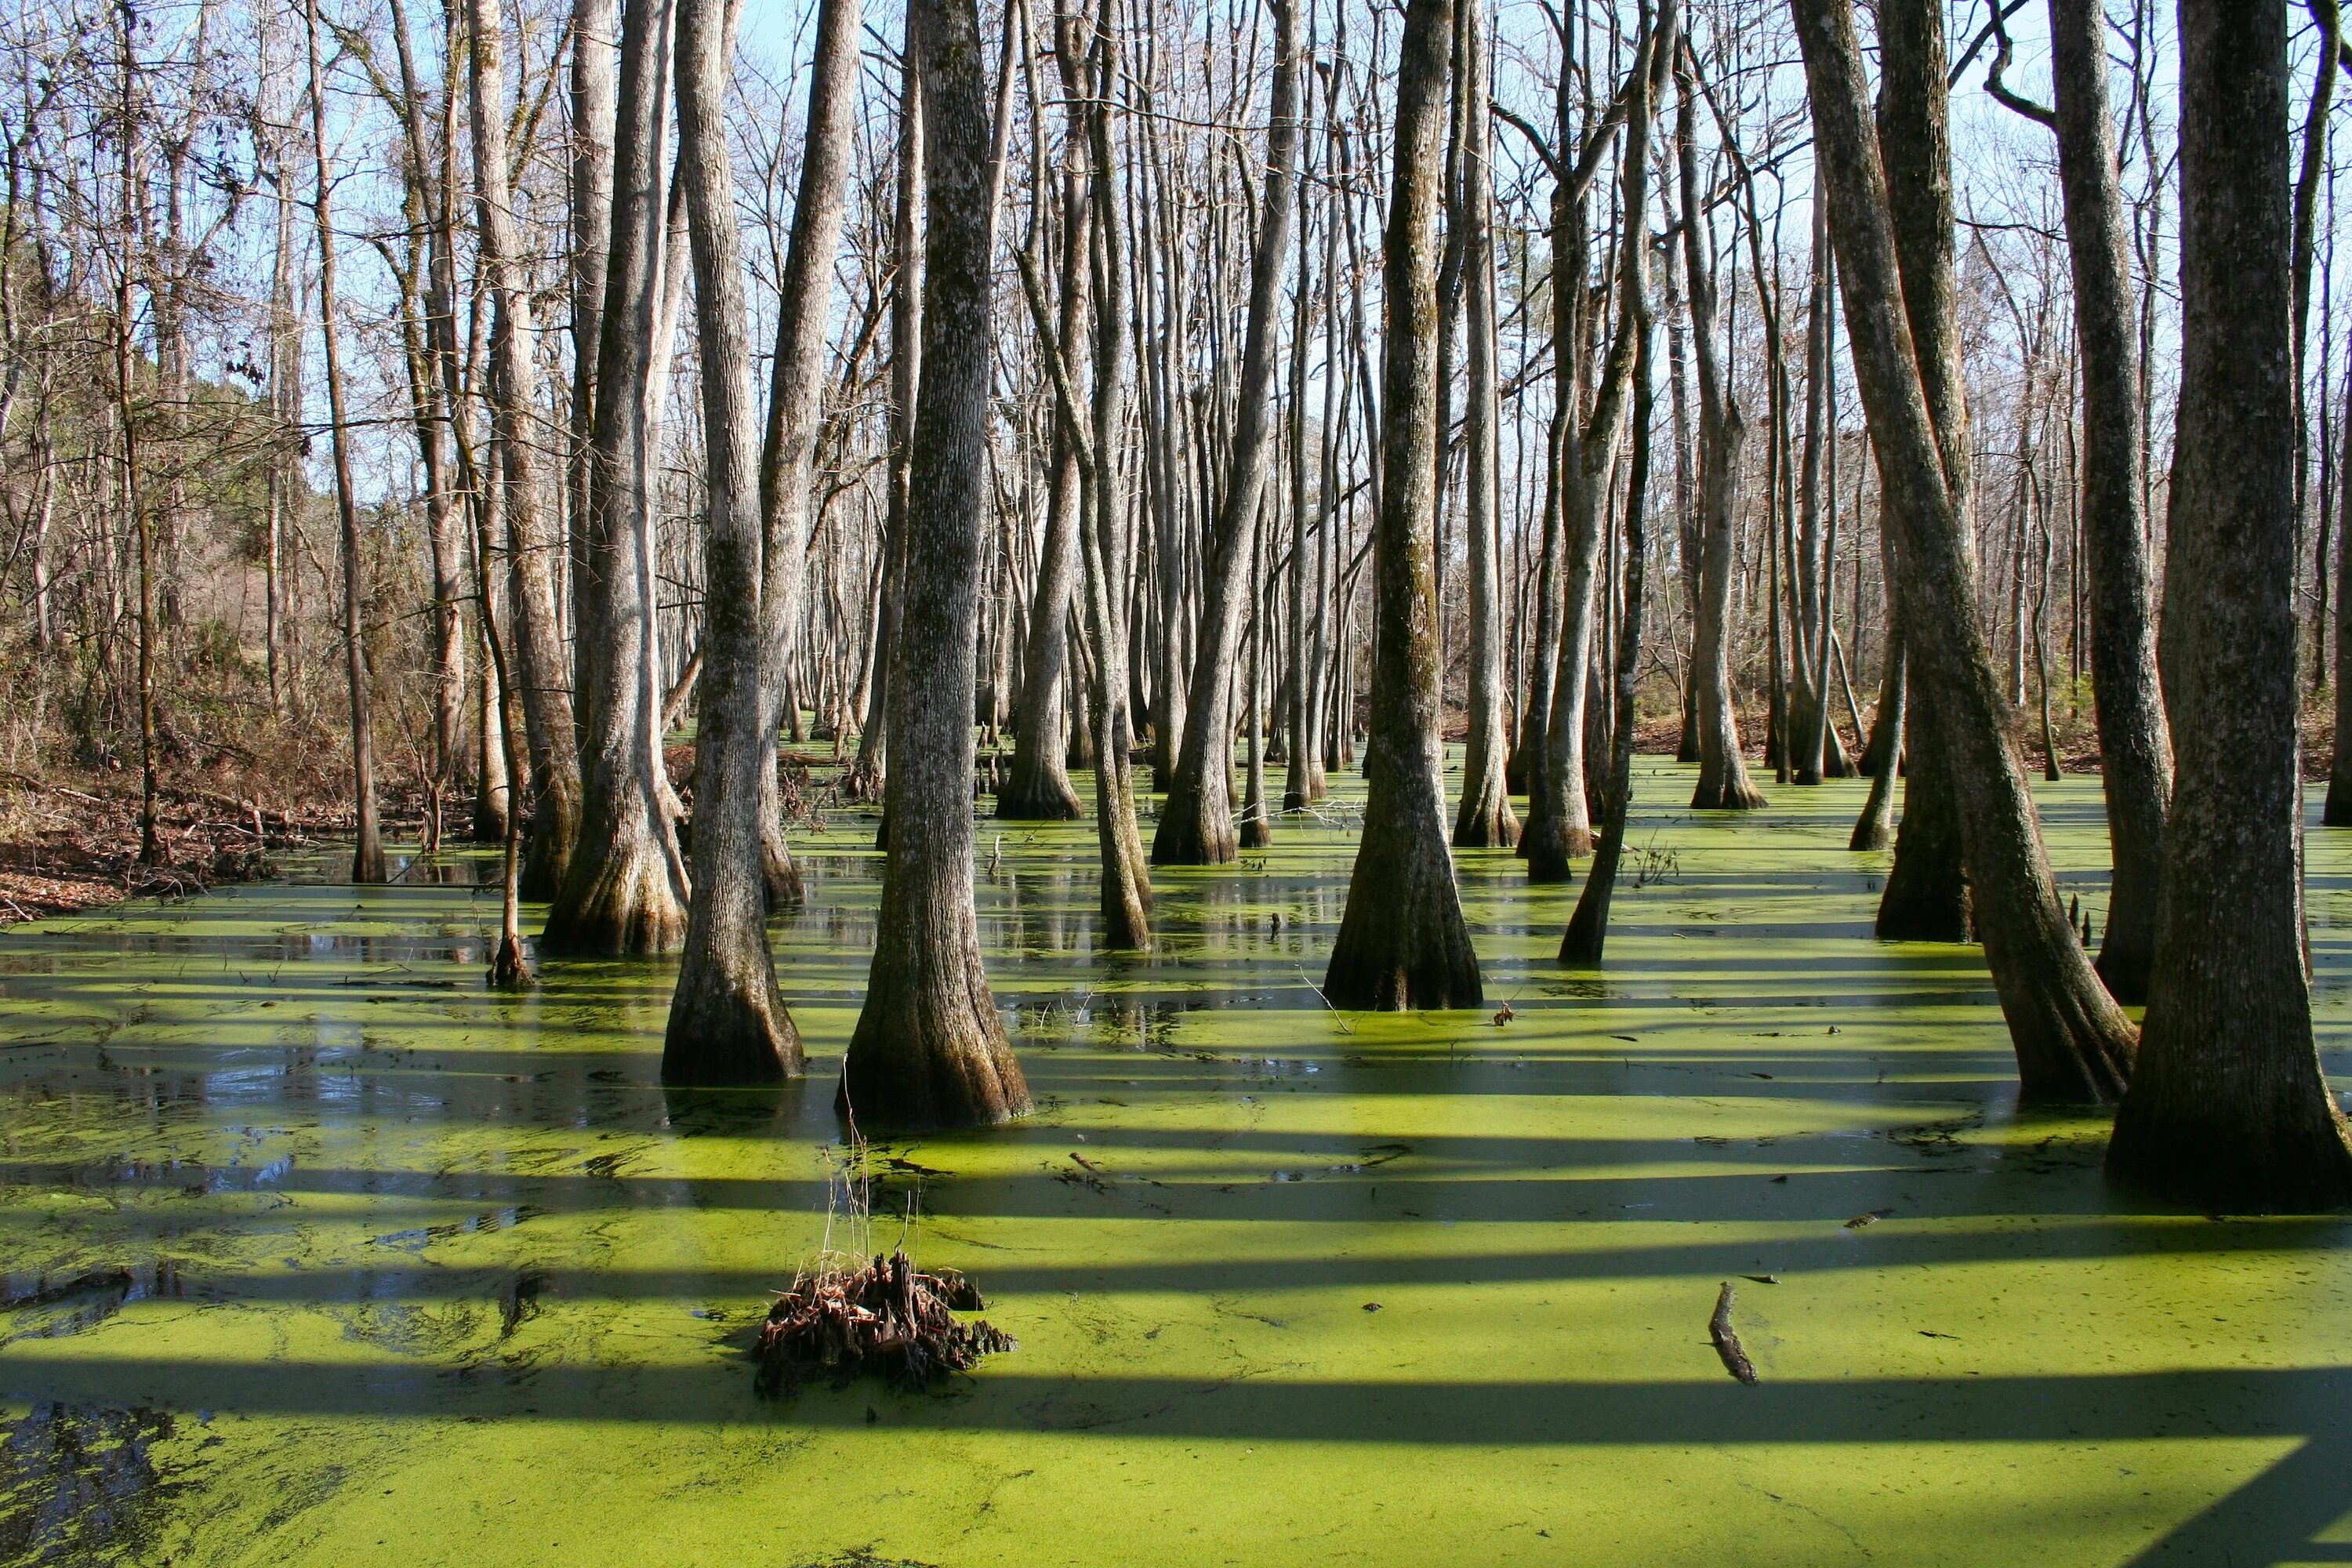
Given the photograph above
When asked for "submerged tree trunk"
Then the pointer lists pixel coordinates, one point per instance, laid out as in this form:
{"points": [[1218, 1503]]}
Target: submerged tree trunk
{"points": [[1402, 943], [1196, 821], [1926, 894], [2229, 1106], [2072, 1043], [367, 851], [1485, 818], [728, 1022], [553, 805], [929, 1049], [2135, 746], [625, 890], [1722, 770], [1588, 927]]}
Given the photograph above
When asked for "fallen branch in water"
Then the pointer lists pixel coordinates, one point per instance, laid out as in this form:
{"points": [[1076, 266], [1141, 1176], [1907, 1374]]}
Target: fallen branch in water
{"points": [[1727, 1339], [888, 1317]]}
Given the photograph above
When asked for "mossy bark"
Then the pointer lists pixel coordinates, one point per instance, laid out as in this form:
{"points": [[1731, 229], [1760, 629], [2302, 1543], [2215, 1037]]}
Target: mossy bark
{"points": [[2229, 1107], [929, 1049], [1196, 821], [2135, 742], [1402, 943], [2072, 1043]]}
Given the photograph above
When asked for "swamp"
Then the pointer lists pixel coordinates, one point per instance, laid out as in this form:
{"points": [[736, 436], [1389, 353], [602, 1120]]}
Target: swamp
{"points": [[319, 1252]]}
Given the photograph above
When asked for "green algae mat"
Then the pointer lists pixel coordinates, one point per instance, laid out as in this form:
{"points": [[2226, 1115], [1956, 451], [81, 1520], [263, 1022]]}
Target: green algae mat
{"points": [[317, 1252]]}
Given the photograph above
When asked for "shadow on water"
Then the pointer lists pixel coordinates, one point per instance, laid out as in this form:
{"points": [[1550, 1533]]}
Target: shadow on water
{"points": [[299, 1222]]}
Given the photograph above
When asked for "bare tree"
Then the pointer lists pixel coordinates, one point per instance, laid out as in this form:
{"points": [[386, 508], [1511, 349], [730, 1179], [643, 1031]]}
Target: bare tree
{"points": [[929, 1049], [2229, 1105]]}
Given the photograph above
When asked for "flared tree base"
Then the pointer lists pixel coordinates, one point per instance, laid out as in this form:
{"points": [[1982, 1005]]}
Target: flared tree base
{"points": [[1734, 794], [921, 1068], [2297, 1162], [509, 968], [1193, 832], [727, 1025], [630, 906]]}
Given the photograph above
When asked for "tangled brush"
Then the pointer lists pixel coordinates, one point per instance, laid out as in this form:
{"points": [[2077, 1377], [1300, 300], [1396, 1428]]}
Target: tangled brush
{"points": [[886, 1316]]}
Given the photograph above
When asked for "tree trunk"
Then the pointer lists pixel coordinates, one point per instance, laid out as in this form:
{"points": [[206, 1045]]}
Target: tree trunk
{"points": [[728, 1022], [1402, 943], [2229, 1107], [867, 777], [1588, 927], [1722, 770], [1039, 789], [1196, 821], [553, 812], [1927, 895], [594, 27], [2072, 1043], [929, 1049], [367, 852], [2135, 746], [1485, 818], [625, 888]]}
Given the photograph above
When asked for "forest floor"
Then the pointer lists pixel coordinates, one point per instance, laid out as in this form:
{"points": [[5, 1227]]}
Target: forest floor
{"points": [[69, 838], [317, 1251]]}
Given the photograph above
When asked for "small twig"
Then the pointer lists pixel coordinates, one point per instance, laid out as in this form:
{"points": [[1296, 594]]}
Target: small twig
{"points": [[1727, 1338], [1336, 1016]]}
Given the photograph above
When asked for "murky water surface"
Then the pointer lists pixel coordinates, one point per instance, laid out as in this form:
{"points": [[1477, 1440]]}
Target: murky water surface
{"points": [[311, 1250]]}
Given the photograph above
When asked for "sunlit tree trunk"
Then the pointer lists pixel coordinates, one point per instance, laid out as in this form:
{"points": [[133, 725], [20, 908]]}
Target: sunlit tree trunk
{"points": [[1722, 770], [1485, 818], [929, 1048], [728, 1022], [367, 851], [2134, 745], [2072, 1043], [1196, 821], [625, 888], [1588, 927], [553, 807], [2229, 1106], [1402, 943]]}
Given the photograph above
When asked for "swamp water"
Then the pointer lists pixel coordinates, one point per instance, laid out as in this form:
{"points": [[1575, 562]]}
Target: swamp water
{"points": [[317, 1252]]}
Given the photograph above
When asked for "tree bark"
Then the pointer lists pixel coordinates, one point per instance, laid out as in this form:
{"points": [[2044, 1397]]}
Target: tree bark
{"points": [[1039, 789], [553, 812], [1196, 820], [728, 1022], [1402, 943], [2135, 745], [1588, 927], [367, 850], [867, 778], [2072, 1043], [1485, 818], [929, 1049], [2229, 1106], [625, 888], [1722, 770], [1927, 895]]}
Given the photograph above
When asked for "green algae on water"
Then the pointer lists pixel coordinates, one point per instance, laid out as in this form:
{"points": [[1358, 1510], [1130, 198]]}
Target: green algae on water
{"points": [[419, 1273]]}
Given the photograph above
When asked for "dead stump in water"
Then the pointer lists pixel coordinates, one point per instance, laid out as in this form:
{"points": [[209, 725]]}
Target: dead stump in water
{"points": [[888, 1317]]}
